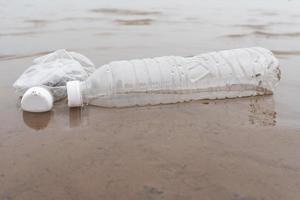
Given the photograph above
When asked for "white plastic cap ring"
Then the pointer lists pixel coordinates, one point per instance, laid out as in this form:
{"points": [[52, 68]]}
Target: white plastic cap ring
{"points": [[37, 99], [74, 94]]}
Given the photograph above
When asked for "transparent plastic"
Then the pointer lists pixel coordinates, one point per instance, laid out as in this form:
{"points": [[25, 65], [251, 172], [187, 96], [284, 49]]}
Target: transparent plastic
{"points": [[53, 71], [171, 79]]}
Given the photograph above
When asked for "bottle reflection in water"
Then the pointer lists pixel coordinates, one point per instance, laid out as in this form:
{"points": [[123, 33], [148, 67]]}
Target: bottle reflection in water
{"points": [[262, 111], [78, 117], [37, 121]]}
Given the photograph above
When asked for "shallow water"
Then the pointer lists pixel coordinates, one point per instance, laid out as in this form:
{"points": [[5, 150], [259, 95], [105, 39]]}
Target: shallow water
{"points": [[238, 149]]}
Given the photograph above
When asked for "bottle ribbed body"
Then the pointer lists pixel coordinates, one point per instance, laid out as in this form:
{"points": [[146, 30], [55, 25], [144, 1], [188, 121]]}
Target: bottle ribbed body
{"points": [[171, 79]]}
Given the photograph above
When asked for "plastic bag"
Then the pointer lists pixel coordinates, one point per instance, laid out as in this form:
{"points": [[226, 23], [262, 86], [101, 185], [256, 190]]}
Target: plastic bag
{"points": [[53, 71]]}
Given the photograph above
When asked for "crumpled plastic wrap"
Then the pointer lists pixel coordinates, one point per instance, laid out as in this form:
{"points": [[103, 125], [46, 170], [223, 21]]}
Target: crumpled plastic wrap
{"points": [[53, 71]]}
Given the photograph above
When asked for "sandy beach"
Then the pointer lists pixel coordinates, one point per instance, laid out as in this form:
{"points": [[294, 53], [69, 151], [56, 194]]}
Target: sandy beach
{"points": [[232, 149]]}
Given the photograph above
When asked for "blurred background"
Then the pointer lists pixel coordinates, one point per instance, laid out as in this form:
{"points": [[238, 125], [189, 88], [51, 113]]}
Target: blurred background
{"points": [[118, 29]]}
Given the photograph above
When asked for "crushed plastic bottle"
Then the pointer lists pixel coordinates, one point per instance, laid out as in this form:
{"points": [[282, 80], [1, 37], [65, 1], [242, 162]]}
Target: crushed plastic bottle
{"points": [[172, 79], [53, 71], [45, 81]]}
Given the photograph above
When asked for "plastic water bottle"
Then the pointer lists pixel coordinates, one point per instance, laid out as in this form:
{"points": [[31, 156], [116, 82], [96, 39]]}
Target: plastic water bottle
{"points": [[172, 79]]}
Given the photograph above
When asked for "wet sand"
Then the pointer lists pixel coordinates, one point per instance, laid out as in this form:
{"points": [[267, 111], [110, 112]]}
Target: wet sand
{"points": [[232, 149]]}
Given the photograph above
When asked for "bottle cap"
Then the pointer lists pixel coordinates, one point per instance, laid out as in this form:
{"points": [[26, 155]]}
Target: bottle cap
{"points": [[37, 99], [74, 94]]}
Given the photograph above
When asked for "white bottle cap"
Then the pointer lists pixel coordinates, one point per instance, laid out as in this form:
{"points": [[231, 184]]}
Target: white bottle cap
{"points": [[37, 99], [74, 94]]}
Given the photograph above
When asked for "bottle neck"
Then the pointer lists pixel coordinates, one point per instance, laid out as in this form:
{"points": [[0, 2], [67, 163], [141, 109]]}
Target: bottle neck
{"points": [[74, 92]]}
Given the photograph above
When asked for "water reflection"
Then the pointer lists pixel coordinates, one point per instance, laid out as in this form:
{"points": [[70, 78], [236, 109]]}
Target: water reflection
{"points": [[258, 111], [262, 112], [37, 121], [75, 117]]}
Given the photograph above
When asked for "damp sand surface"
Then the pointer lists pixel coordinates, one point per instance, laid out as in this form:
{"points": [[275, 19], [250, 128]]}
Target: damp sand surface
{"points": [[232, 149]]}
